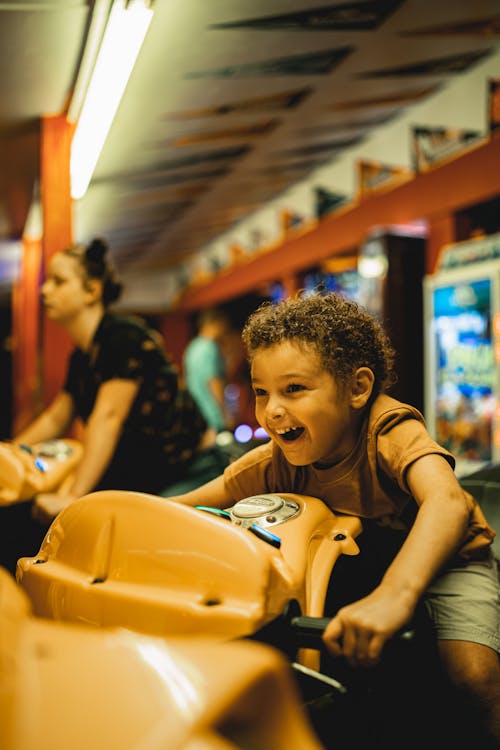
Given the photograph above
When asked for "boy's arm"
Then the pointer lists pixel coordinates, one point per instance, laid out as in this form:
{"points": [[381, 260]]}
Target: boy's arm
{"points": [[360, 630], [213, 494]]}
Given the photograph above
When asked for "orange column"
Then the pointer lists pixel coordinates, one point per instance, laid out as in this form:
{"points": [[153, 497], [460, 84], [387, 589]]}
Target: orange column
{"points": [[57, 216], [26, 337], [176, 333], [441, 233]]}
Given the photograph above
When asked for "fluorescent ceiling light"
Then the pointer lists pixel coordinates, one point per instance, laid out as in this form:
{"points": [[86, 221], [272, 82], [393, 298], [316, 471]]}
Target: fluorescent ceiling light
{"points": [[33, 227], [125, 31]]}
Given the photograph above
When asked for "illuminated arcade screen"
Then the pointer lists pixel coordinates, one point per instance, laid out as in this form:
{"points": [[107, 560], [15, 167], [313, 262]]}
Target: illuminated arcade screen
{"points": [[343, 282], [464, 369]]}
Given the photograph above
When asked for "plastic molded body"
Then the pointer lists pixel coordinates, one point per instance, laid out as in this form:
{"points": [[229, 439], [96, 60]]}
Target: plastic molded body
{"points": [[65, 686], [27, 470], [117, 558]]}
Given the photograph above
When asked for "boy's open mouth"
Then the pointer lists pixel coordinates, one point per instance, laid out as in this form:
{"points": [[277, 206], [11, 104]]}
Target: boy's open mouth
{"points": [[292, 434]]}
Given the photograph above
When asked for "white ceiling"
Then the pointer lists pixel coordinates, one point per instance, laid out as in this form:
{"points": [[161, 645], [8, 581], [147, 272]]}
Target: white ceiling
{"points": [[203, 138]]}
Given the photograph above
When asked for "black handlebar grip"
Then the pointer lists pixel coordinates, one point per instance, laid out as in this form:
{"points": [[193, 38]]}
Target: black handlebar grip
{"points": [[308, 631]]}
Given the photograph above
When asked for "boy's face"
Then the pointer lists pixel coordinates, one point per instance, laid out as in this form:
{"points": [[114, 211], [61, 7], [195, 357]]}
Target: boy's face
{"points": [[301, 406]]}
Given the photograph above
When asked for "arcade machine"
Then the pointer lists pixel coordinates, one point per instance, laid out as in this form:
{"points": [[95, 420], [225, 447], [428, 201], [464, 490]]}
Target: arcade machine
{"points": [[337, 274], [462, 351], [25, 471], [68, 685], [391, 268], [257, 571]]}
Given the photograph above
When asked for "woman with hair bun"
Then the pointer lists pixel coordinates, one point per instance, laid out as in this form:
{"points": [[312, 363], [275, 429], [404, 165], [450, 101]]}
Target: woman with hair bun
{"points": [[142, 428]]}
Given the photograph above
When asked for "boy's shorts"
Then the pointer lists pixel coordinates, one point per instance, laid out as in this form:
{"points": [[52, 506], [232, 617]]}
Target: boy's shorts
{"points": [[464, 602]]}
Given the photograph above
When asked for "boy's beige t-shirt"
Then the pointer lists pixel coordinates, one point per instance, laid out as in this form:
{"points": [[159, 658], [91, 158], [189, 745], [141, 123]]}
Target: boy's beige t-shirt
{"points": [[370, 482]]}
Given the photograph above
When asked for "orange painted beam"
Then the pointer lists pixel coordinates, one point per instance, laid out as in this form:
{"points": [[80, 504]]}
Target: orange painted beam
{"points": [[464, 181], [26, 335], [57, 213]]}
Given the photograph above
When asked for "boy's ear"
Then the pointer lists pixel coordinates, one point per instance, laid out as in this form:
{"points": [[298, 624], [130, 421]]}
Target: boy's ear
{"points": [[363, 381]]}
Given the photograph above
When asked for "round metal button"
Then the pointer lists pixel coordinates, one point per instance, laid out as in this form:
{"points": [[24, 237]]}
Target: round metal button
{"points": [[258, 505]]}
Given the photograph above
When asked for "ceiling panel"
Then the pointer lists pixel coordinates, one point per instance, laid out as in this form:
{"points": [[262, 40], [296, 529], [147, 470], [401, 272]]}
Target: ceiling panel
{"points": [[231, 103]]}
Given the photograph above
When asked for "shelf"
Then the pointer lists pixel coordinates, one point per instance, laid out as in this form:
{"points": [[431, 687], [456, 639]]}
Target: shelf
{"points": [[468, 179]]}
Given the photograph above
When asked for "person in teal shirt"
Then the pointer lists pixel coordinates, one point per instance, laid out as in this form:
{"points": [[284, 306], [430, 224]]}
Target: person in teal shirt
{"points": [[205, 369]]}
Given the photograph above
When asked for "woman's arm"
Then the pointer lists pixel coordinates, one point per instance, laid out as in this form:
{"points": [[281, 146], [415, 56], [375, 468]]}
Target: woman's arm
{"points": [[102, 432], [360, 630], [113, 403], [54, 422]]}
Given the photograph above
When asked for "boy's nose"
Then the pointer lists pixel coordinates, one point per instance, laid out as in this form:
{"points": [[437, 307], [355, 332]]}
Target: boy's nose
{"points": [[275, 409]]}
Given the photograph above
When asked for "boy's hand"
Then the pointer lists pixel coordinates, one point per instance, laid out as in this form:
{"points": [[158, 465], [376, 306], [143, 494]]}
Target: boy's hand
{"points": [[360, 630]]}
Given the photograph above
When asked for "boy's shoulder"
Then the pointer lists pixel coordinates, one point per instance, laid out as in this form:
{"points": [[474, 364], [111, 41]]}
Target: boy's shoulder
{"points": [[387, 411], [254, 457], [262, 469], [397, 436]]}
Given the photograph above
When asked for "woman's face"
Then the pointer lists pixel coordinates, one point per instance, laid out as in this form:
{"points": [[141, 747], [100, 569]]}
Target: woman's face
{"points": [[64, 292], [302, 407]]}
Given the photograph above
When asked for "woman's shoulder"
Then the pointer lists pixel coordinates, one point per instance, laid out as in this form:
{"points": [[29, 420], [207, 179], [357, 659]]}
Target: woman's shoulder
{"points": [[122, 328], [117, 322]]}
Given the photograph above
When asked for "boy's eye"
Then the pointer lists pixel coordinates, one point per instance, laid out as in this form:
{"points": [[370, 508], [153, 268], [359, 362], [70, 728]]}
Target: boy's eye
{"points": [[293, 387], [259, 391]]}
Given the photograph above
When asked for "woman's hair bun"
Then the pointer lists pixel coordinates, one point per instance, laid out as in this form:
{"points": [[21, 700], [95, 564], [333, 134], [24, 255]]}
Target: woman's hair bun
{"points": [[97, 250]]}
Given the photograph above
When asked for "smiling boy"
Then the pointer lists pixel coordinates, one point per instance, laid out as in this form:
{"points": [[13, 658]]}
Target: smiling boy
{"points": [[320, 367]]}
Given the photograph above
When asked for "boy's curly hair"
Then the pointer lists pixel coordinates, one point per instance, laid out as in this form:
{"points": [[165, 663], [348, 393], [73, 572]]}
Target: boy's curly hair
{"points": [[342, 332]]}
